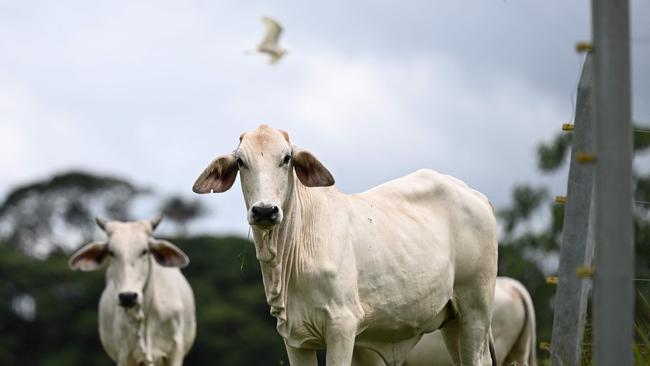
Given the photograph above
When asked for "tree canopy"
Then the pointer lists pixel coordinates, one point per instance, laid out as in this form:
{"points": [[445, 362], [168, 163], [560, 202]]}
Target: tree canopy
{"points": [[52, 213]]}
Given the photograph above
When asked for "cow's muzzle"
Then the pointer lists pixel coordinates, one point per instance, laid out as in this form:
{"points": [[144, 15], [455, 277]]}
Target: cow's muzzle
{"points": [[128, 299], [264, 215]]}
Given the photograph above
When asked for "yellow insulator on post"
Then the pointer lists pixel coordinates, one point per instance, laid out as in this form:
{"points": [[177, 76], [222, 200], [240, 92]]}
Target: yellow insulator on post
{"points": [[585, 271], [585, 157], [584, 46]]}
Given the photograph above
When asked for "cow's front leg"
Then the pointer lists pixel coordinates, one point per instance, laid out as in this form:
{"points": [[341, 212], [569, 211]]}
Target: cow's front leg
{"points": [[124, 358], [301, 356], [175, 357], [339, 340]]}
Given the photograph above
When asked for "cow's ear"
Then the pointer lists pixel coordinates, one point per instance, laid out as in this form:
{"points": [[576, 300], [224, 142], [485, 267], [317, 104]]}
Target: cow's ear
{"points": [[219, 176], [310, 171], [168, 254], [89, 257]]}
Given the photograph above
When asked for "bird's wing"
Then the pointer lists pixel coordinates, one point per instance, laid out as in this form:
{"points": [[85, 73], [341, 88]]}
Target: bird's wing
{"points": [[273, 31]]}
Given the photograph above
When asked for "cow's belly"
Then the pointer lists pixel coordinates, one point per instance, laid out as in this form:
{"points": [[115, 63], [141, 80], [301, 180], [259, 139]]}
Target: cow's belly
{"points": [[306, 328], [395, 306], [404, 314], [404, 301], [392, 312]]}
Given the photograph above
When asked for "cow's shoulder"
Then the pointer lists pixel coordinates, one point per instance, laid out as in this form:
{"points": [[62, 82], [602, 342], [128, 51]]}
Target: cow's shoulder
{"points": [[177, 293]]}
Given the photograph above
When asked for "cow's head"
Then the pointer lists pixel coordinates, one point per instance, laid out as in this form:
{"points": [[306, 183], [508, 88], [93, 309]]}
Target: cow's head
{"points": [[128, 250], [266, 161]]}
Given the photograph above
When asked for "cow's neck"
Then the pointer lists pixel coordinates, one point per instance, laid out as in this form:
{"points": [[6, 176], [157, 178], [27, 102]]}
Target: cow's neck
{"points": [[291, 245]]}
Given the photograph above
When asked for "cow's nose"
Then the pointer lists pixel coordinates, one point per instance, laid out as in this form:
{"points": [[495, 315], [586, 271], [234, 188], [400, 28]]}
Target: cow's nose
{"points": [[128, 299], [265, 213]]}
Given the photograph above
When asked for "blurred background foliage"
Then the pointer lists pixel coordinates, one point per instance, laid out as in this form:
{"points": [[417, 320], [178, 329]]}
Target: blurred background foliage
{"points": [[58, 325], [48, 314], [530, 251]]}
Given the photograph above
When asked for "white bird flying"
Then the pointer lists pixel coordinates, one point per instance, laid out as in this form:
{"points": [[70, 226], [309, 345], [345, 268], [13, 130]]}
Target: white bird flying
{"points": [[269, 44]]}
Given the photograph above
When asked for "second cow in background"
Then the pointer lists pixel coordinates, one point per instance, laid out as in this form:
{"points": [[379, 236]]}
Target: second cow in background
{"points": [[513, 327], [146, 312]]}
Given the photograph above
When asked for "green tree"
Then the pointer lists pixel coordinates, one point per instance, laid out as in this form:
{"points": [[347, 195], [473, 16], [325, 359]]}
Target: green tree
{"points": [[41, 216], [182, 211]]}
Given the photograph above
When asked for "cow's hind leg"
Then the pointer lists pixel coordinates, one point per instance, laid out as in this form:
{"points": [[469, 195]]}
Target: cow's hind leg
{"points": [[474, 316], [474, 345]]}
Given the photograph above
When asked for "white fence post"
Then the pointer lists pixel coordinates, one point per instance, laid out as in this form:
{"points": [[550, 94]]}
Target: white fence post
{"points": [[613, 300]]}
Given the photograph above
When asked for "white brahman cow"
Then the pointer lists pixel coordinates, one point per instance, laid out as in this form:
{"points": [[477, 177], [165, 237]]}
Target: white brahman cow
{"points": [[513, 327], [146, 312], [376, 269]]}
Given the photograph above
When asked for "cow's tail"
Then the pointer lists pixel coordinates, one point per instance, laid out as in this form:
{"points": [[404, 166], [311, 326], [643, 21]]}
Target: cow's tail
{"points": [[527, 339], [493, 354]]}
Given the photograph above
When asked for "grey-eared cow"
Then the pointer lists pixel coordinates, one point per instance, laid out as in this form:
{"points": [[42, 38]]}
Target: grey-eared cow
{"points": [[146, 311], [376, 269]]}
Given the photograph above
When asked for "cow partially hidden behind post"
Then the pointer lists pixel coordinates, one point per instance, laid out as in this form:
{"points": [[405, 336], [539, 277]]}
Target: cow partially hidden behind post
{"points": [[513, 327], [376, 269], [146, 312]]}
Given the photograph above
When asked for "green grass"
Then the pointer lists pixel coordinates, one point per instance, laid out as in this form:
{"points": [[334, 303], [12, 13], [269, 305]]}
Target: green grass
{"points": [[640, 348]]}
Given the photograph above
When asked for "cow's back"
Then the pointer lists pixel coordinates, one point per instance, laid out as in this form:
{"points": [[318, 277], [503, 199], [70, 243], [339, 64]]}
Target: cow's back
{"points": [[430, 198], [424, 184], [425, 212]]}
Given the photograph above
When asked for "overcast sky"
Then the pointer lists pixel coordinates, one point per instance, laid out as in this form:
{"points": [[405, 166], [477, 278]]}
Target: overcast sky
{"points": [[154, 90]]}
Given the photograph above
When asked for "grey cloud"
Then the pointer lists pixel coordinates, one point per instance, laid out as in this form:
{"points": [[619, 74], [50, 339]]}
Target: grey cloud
{"points": [[154, 90]]}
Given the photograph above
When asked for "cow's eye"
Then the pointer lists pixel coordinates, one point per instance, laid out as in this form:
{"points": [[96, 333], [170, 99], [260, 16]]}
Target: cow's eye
{"points": [[287, 159], [240, 163], [111, 254], [144, 252]]}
